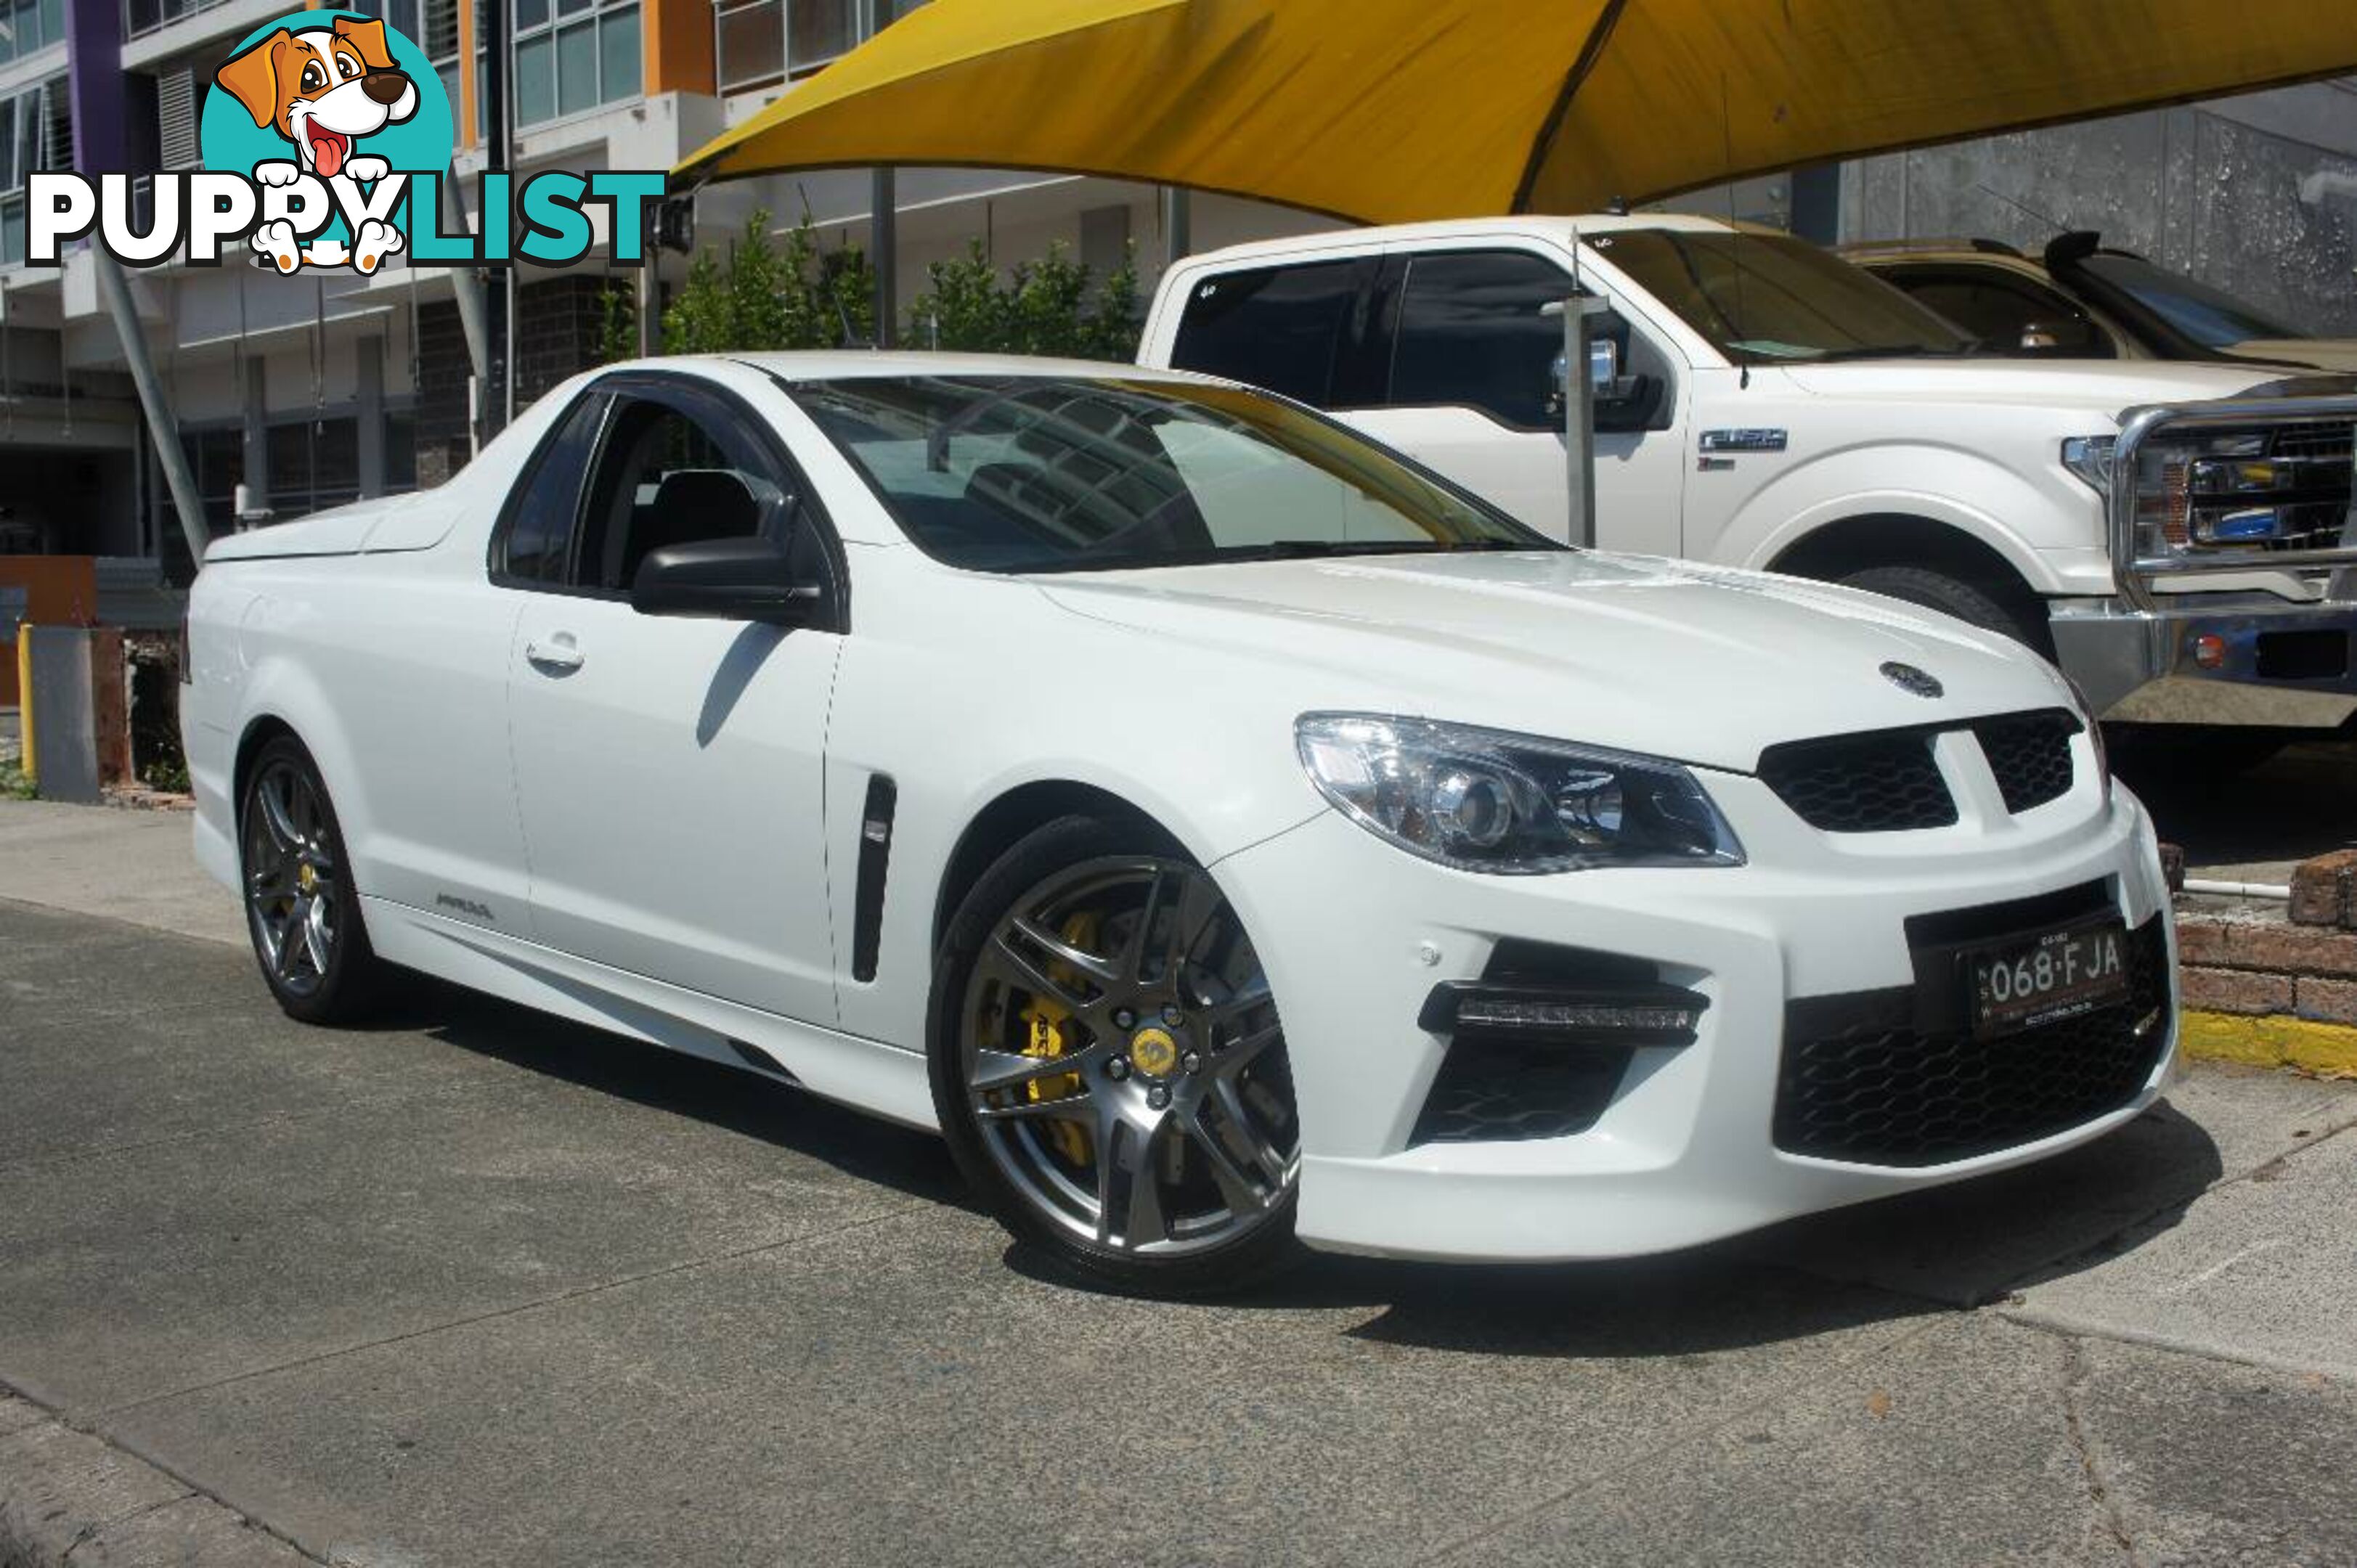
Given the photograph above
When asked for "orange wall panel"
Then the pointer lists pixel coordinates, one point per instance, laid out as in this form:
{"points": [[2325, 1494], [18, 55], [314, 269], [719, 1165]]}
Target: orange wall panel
{"points": [[59, 590], [679, 46]]}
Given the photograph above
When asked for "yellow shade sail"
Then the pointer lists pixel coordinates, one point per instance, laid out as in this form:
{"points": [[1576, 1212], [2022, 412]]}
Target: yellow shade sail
{"points": [[1384, 111]]}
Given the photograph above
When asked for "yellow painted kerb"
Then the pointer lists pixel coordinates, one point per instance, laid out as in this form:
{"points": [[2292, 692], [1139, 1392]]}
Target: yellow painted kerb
{"points": [[24, 761], [2275, 1041]]}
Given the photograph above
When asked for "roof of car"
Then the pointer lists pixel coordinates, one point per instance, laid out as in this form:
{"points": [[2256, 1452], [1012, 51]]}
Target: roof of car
{"points": [[1945, 246], [1535, 225], [850, 364]]}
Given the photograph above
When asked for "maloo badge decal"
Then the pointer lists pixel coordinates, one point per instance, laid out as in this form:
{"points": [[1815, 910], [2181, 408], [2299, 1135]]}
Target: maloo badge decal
{"points": [[1907, 677]]}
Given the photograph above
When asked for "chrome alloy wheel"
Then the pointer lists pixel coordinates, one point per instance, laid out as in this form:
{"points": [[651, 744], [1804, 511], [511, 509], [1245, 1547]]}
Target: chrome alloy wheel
{"points": [[1123, 1061], [290, 877]]}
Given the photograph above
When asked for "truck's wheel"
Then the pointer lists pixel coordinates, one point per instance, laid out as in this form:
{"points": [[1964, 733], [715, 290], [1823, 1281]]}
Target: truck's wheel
{"points": [[1971, 603]]}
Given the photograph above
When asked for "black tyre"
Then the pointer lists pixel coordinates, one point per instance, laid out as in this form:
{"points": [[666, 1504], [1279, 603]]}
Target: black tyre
{"points": [[1108, 1065], [301, 908], [2016, 614]]}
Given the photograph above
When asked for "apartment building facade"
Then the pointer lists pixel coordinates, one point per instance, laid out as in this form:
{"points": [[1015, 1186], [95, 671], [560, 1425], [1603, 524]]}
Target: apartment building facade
{"points": [[294, 394]]}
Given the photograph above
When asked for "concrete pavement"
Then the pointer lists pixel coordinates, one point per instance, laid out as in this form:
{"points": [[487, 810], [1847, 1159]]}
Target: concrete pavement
{"points": [[474, 1286], [130, 865]]}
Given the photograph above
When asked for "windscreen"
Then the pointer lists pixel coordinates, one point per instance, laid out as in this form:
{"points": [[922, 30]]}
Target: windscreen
{"points": [[2209, 316], [1072, 474], [1765, 297]]}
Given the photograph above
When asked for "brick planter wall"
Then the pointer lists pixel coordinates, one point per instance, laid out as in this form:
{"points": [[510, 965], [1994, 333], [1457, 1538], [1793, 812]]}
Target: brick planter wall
{"points": [[2259, 963]]}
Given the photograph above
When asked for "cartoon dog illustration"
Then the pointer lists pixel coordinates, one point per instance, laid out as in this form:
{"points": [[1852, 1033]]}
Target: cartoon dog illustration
{"points": [[323, 89]]}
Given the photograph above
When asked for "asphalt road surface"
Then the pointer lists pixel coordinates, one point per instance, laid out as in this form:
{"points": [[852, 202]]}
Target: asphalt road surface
{"points": [[477, 1287]]}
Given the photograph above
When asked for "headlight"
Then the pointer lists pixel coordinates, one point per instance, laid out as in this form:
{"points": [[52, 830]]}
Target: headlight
{"points": [[1483, 799]]}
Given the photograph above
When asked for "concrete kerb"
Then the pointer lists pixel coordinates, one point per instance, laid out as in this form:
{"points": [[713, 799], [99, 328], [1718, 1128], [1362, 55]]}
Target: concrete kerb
{"points": [[2272, 1040], [66, 1494]]}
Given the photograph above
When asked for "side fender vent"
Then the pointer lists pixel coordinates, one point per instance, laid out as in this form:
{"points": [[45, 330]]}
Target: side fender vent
{"points": [[875, 852]]}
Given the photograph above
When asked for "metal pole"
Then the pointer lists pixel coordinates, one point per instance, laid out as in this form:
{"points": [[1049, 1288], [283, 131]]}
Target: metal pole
{"points": [[155, 402], [1579, 416], [884, 235], [491, 17], [1178, 224], [467, 287]]}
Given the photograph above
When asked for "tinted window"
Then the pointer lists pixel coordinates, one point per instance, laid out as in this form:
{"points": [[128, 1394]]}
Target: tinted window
{"points": [[2212, 317], [1470, 335], [2008, 314], [672, 471], [1279, 328], [1061, 474], [538, 530], [1763, 298]]}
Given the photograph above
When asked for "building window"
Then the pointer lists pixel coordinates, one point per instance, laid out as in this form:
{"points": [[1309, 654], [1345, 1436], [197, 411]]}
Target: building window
{"points": [[760, 43], [145, 15], [573, 55], [29, 25], [36, 132]]}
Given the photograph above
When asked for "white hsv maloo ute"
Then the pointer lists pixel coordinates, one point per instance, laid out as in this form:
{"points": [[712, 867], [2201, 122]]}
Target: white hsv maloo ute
{"points": [[1223, 830]]}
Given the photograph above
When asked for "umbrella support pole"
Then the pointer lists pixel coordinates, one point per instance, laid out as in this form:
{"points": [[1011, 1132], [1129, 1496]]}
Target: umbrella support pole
{"points": [[884, 241]]}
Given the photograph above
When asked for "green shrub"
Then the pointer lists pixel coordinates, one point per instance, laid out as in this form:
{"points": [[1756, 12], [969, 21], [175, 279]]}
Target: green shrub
{"points": [[1036, 308], [766, 294]]}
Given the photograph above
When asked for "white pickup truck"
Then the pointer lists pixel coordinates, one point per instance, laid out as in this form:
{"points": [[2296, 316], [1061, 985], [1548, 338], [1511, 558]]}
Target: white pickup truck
{"points": [[1760, 402]]}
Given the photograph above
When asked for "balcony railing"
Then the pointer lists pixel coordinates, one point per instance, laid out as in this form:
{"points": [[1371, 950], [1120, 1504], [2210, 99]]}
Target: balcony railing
{"points": [[143, 16]]}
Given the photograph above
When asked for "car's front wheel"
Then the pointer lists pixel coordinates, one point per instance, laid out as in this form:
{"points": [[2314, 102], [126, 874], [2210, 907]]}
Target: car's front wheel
{"points": [[1109, 1067], [301, 909]]}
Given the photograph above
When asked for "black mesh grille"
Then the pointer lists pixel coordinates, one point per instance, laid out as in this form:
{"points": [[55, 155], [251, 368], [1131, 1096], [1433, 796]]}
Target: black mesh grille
{"points": [[1878, 783], [2031, 755], [1490, 1088], [1497, 1088], [1883, 1093]]}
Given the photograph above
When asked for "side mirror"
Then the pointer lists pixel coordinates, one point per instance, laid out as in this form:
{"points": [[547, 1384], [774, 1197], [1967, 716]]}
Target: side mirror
{"points": [[729, 579], [1604, 378]]}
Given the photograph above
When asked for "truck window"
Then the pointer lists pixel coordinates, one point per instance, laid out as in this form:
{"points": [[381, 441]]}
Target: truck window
{"points": [[1470, 335], [2008, 314], [1279, 328]]}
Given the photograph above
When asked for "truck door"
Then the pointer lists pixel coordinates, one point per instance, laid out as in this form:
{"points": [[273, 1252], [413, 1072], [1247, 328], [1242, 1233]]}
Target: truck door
{"points": [[1473, 388]]}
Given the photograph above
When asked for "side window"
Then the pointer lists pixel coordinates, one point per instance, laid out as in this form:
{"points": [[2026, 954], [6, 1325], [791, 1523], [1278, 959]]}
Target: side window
{"points": [[1279, 328], [536, 532], [2008, 314], [673, 469], [1470, 335]]}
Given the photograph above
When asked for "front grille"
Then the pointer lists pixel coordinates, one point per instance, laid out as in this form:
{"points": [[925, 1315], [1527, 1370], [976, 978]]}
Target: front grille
{"points": [[1878, 783], [2031, 755], [2311, 510], [1883, 1091]]}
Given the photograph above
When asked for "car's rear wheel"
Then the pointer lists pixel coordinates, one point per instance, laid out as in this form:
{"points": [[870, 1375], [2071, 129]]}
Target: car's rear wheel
{"points": [[1109, 1065], [301, 908]]}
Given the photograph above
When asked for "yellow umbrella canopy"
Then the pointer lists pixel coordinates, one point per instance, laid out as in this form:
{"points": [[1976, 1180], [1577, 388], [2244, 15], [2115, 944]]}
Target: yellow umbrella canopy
{"points": [[1384, 111]]}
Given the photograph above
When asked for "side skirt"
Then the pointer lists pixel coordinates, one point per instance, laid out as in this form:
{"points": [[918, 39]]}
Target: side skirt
{"points": [[866, 1074]]}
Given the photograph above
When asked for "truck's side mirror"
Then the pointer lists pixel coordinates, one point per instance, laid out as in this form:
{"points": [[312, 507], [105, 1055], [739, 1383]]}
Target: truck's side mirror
{"points": [[1621, 401]]}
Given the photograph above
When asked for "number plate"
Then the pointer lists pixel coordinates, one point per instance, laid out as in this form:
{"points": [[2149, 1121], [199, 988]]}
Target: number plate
{"points": [[2024, 984]]}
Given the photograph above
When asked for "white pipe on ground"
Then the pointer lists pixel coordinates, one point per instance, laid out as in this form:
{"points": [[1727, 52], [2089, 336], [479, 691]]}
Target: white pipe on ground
{"points": [[2238, 889]]}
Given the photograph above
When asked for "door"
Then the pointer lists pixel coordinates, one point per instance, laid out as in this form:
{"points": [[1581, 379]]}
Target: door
{"points": [[669, 769], [1473, 390]]}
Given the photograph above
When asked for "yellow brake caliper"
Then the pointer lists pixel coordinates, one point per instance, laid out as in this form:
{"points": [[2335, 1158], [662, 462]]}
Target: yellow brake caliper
{"points": [[1046, 1028]]}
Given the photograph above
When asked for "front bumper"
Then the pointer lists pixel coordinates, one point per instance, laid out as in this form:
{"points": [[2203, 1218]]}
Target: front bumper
{"points": [[1684, 1152], [2213, 658]]}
